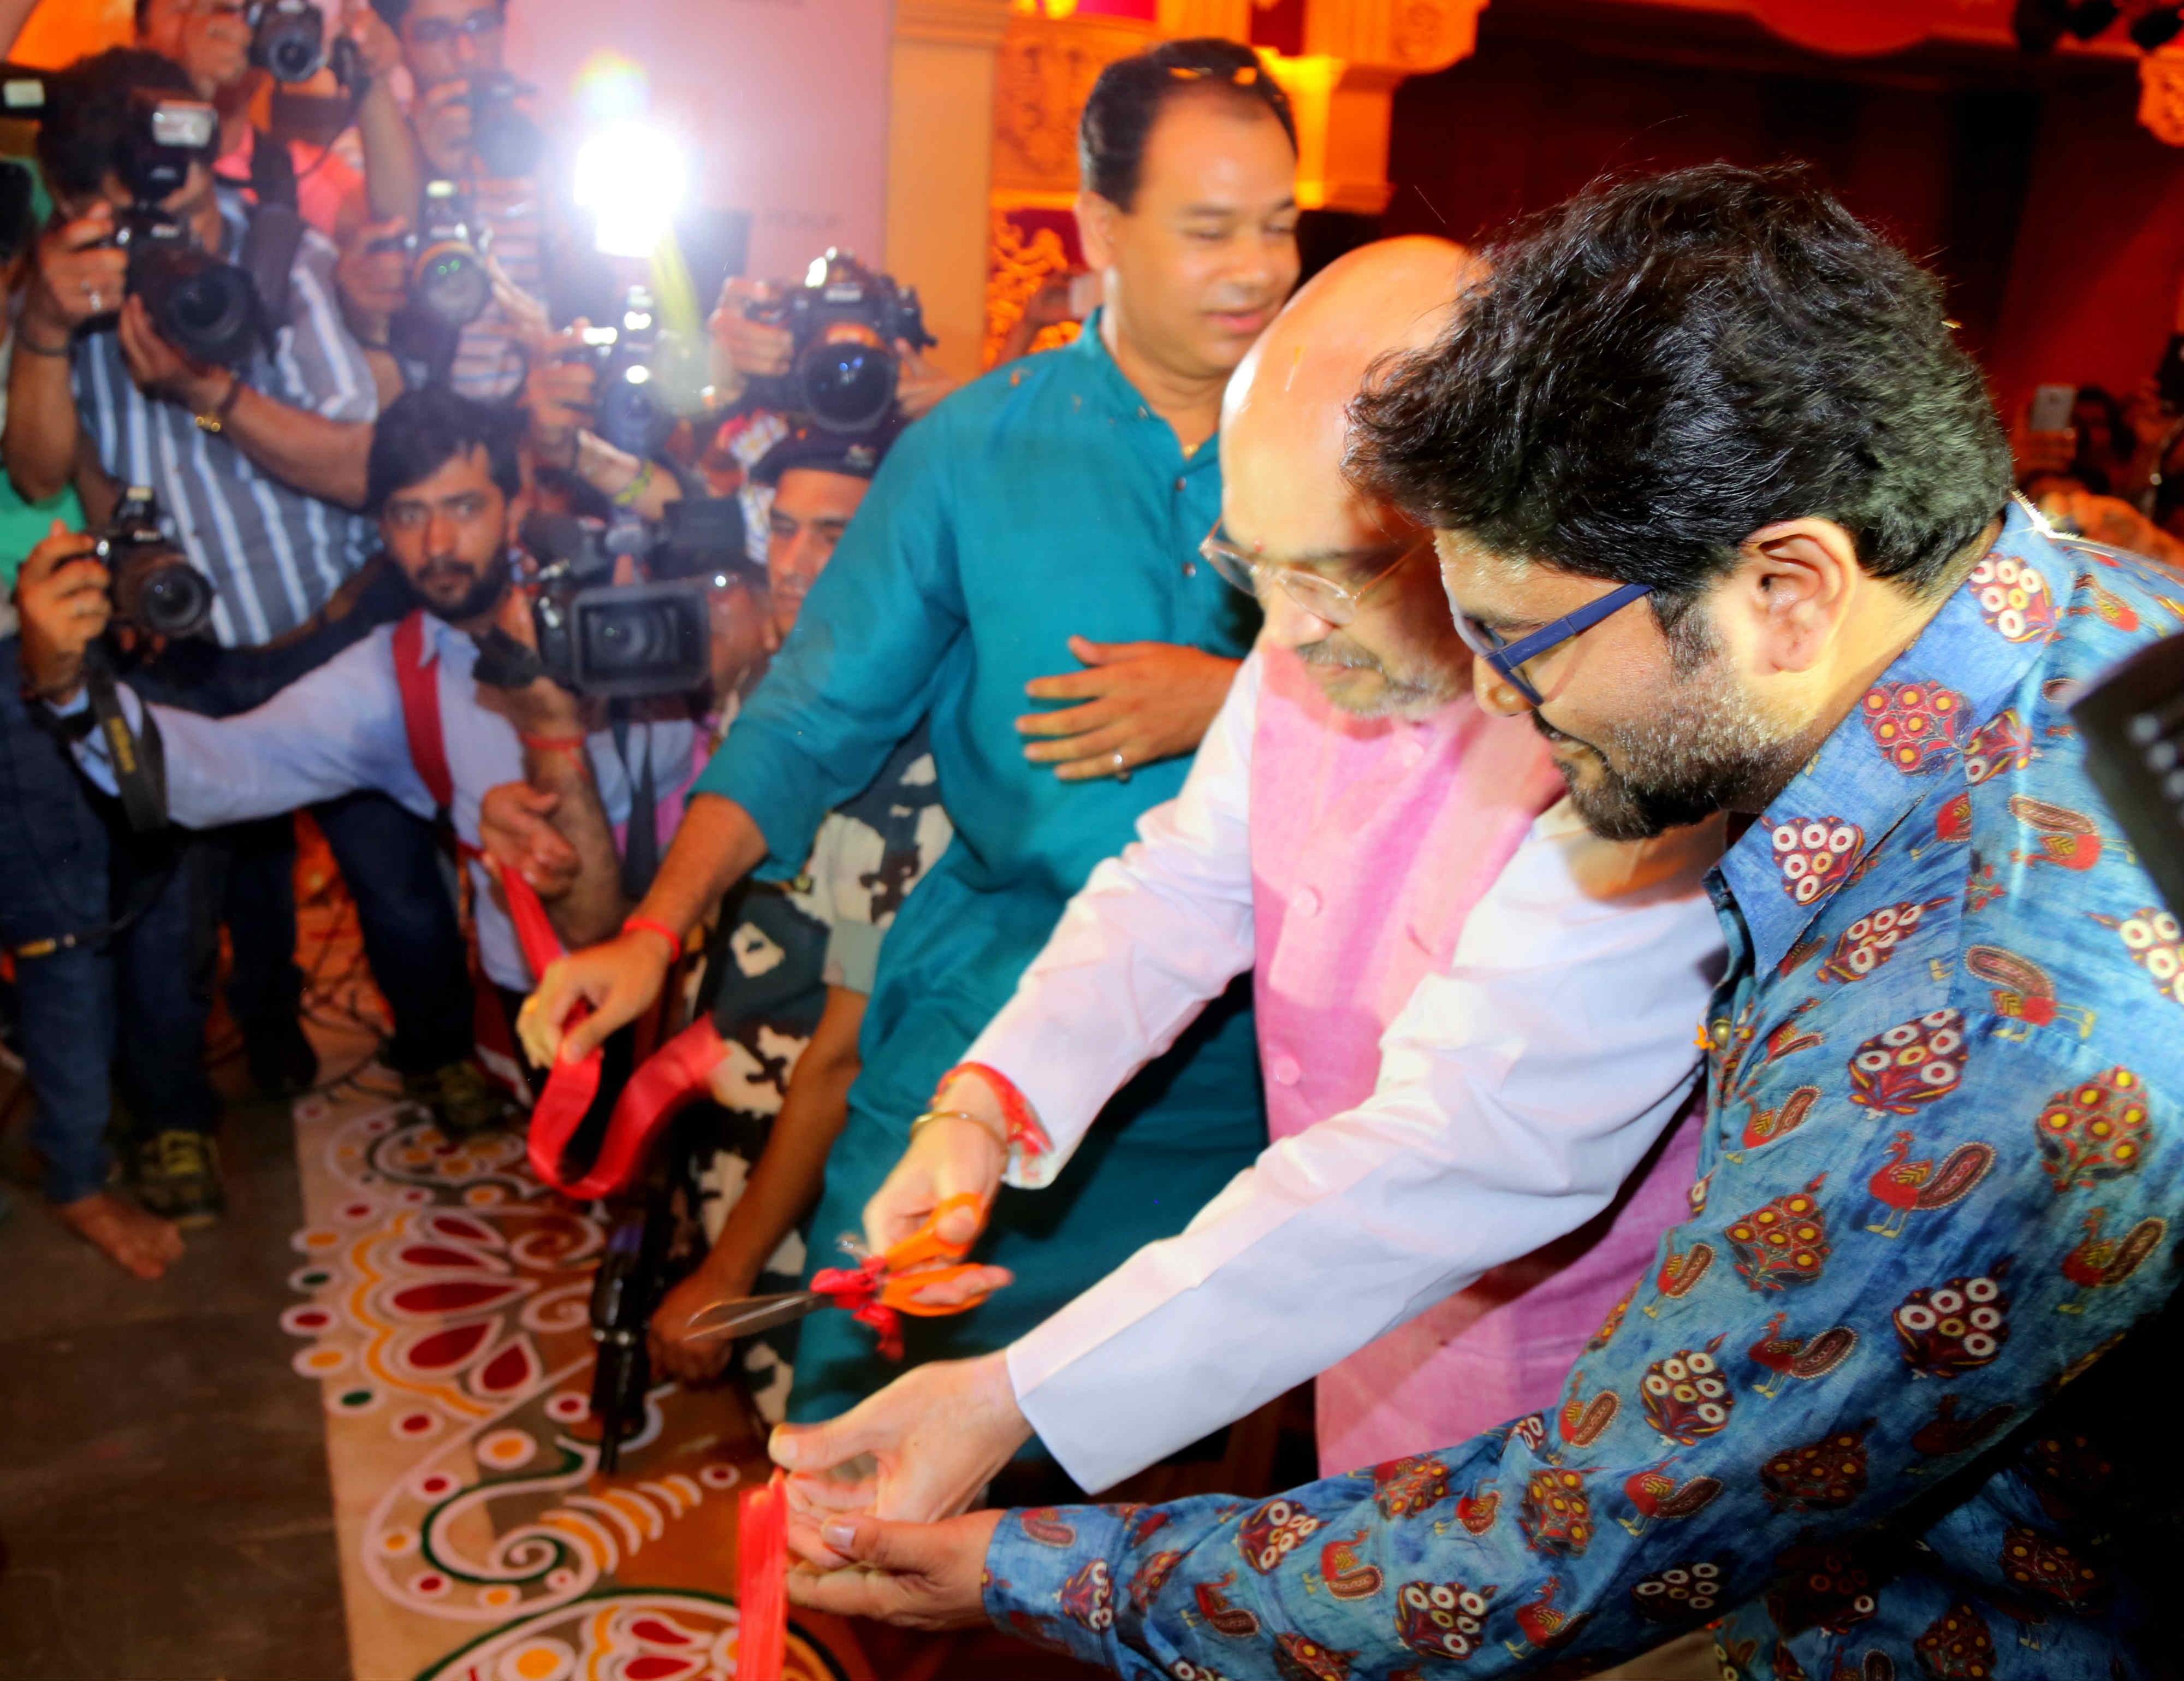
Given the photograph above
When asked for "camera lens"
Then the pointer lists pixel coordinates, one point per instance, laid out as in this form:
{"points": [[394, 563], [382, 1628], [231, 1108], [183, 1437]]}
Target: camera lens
{"points": [[159, 593], [450, 282], [206, 308], [293, 55], [641, 638], [629, 638], [629, 416], [173, 600], [847, 385]]}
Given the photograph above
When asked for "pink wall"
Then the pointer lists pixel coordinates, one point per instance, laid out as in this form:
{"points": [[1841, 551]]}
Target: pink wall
{"points": [[783, 105]]}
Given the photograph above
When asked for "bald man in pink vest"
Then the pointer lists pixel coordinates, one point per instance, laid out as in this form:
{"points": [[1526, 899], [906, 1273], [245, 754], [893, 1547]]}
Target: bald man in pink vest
{"points": [[1476, 1020]]}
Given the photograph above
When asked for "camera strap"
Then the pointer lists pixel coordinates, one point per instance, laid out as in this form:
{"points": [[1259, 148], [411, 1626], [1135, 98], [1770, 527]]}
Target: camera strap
{"points": [[275, 230], [139, 760], [640, 857]]}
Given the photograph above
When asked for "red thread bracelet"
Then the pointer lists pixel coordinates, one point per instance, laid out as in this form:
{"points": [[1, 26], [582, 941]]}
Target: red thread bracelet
{"points": [[654, 925], [557, 743], [1024, 1131]]}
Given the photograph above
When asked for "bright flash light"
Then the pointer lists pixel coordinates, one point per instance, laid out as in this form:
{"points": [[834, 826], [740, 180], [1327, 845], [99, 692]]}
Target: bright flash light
{"points": [[632, 176]]}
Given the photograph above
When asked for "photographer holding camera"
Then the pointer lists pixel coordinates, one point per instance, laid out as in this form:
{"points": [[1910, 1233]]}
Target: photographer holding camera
{"points": [[147, 358], [442, 477], [840, 354], [61, 921], [481, 151]]}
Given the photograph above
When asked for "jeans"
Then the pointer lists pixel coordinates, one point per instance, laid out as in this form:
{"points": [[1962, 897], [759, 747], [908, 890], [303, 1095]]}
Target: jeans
{"points": [[389, 857], [54, 862]]}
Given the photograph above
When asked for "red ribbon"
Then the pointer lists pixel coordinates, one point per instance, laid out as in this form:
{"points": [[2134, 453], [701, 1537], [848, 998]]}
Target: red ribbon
{"points": [[856, 1291]]}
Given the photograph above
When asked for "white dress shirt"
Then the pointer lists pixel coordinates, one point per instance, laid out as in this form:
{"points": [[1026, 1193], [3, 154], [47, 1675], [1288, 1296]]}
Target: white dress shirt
{"points": [[1516, 1092]]}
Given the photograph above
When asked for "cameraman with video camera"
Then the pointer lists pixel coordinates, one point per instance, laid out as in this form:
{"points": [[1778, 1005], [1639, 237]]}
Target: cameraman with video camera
{"points": [[406, 710], [148, 356]]}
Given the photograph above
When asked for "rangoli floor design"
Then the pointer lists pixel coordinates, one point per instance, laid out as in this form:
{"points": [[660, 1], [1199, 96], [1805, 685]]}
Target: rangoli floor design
{"points": [[442, 1313]]}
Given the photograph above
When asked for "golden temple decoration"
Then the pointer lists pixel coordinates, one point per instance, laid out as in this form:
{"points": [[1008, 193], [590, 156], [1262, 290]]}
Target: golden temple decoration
{"points": [[2161, 95], [1019, 263]]}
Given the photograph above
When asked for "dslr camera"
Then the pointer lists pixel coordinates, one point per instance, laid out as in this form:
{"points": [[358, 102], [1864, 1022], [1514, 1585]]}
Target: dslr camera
{"points": [[506, 142], [447, 250], [844, 319], [288, 40], [155, 587], [596, 637], [646, 378], [207, 309]]}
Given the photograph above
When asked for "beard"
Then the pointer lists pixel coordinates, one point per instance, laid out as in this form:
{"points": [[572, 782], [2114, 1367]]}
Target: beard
{"points": [[483, 594], [1398, 696], [1709, 748]]}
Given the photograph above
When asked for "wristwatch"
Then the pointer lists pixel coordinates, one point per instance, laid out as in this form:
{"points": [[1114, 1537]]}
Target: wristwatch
{"points": [[214, 420]]}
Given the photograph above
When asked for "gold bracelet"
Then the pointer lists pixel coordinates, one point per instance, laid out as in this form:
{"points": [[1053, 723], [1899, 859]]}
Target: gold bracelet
{"points": [[931, 1115]]}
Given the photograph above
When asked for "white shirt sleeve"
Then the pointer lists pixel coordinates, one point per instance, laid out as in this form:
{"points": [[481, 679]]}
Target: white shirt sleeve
{"points": [[331, 732], [1155, 934], [1517, 1090]]}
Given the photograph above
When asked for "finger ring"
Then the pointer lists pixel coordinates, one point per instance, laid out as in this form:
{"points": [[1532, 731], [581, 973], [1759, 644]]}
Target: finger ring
{"points": [[1121, 770], [91, 292]]}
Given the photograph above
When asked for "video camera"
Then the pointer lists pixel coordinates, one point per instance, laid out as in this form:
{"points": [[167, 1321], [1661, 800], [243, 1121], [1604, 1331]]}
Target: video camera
{"points": [[595, 637], [845, 320], [207, 309], [155, 587]]}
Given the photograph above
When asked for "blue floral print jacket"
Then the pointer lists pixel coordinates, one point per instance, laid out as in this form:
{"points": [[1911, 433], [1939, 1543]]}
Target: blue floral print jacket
{"points": [[1879, 1409]]}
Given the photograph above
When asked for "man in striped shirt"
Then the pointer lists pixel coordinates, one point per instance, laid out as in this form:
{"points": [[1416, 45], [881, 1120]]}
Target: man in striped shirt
{"points": [[446, 45], [260, 470]]}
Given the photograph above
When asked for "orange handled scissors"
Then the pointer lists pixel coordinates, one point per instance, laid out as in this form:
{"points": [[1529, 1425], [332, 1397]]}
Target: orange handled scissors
{"points": [[890, 1283]]}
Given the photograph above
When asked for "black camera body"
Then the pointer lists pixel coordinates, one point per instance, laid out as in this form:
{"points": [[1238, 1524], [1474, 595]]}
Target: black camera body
{"points": [[845, 320], [505, 141], [207, 308], [154, 586], [595, 637]]}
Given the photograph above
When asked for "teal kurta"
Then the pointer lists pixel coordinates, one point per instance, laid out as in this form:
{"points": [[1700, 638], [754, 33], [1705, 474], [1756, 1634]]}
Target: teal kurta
{"points": [[1045, 500]]}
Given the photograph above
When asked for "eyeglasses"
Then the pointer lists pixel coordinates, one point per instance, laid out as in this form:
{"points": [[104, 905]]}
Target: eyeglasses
{"points": [[439, 31], [1505, 657], [1321, 597]]}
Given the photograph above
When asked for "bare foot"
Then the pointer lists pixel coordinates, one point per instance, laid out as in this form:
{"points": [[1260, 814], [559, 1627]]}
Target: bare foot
{"points": [[143, 1242]]}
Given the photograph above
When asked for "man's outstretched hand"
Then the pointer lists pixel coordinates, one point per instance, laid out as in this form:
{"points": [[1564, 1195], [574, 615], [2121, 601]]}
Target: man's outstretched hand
{"points": [[923, 1449], [914, 1575]]}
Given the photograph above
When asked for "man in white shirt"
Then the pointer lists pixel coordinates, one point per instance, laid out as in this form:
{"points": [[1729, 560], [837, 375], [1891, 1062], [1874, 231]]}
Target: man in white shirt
{"points": [[1476, 1026]]}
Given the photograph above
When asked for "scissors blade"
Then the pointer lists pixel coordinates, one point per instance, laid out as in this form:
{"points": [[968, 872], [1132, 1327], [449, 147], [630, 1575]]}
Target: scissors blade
{"points": [[751, 1314]]}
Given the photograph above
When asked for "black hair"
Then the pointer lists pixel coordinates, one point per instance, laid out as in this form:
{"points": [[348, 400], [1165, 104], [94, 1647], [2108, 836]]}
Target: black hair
{"points": [[1130, 94], [1652, 370], [88, 114], [420, 431], [391, 12]]}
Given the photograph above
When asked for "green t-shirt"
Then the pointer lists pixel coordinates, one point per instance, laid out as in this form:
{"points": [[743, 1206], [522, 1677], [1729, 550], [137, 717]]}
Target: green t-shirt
{"points": [[23, 524]]}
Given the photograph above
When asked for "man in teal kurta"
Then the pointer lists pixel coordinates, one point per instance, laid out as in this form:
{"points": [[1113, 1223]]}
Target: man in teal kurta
{"points": [[1061, 495]]}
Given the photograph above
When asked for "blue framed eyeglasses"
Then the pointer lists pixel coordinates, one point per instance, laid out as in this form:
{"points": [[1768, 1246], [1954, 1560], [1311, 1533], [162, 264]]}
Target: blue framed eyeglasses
{"points": [[1505, 658]]}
